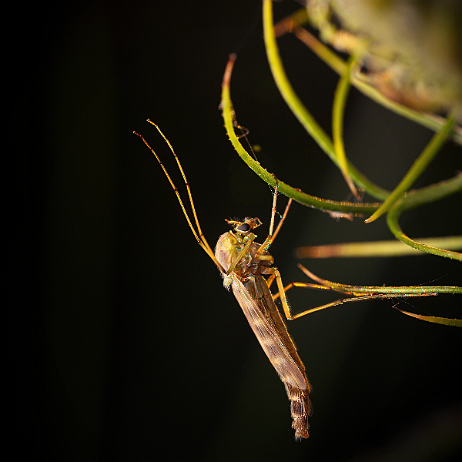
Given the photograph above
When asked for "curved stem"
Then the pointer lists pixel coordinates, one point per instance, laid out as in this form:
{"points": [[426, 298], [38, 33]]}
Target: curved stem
{"points": [[418, 167], [338, 112], [300, 111], [415, 199], [430, 121], [284, 188]]}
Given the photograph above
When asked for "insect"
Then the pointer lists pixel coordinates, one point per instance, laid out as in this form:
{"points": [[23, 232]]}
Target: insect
{"points": [[242, 263]]}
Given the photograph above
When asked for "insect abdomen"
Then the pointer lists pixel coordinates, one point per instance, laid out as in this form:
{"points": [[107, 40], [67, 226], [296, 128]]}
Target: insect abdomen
{"points": [[300, 409]]}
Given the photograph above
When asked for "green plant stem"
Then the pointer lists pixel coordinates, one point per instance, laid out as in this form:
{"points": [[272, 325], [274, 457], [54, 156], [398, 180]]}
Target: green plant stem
{"points": [[417, 198], [419, 166], [434, 319], [373, 292], [338, 112], [431, 121], [283, 188], [300, 111], [382, 290]]}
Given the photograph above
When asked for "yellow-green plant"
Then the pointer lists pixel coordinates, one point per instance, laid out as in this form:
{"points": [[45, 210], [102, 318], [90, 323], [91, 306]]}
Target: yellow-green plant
{"points": [[392, 204]]}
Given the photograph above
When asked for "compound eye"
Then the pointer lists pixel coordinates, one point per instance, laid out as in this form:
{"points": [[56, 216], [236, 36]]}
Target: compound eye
{"points": [[243, 228]]}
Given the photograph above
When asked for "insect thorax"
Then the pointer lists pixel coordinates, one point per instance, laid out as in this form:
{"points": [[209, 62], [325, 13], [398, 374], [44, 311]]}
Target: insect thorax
{"points": [[228, 253]]}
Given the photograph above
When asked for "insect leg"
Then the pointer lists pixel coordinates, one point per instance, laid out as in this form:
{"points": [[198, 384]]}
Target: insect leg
{"points": [[275, 274], [269, 281], [272, 236], [197, 232], [264, 247], [281, 221], [285, 304], [355, 291]]}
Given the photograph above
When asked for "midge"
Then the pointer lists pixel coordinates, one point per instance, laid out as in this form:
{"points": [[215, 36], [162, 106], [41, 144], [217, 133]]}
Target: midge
{"points": [[242, 263]]}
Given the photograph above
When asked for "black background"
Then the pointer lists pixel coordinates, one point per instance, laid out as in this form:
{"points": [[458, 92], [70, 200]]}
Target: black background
{"points": [[132, 349]]}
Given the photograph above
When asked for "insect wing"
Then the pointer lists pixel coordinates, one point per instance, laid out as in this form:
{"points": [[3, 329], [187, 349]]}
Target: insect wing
{"points": [[254, 299]]}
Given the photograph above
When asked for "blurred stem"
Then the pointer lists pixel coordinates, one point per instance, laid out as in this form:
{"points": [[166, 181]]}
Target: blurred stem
{"points": [[375, 249]]}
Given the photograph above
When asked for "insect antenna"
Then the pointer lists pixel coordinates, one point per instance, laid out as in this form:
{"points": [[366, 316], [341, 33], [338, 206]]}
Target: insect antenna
{"points": [[198, 234]]}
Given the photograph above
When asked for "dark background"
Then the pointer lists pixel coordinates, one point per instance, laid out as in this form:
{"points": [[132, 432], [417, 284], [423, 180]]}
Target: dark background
{"points": [[132, 348]]}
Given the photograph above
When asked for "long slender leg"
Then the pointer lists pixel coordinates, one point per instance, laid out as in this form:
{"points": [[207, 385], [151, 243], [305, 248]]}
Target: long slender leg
{"points": [[341, 301], [264, 247], [198, 234], [305, 285], [188, 188], [275, 274], [269, 281], [272, 236], [281, 221]]}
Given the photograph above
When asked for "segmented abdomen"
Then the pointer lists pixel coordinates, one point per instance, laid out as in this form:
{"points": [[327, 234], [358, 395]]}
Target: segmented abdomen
{"points": [[266, 322]]}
